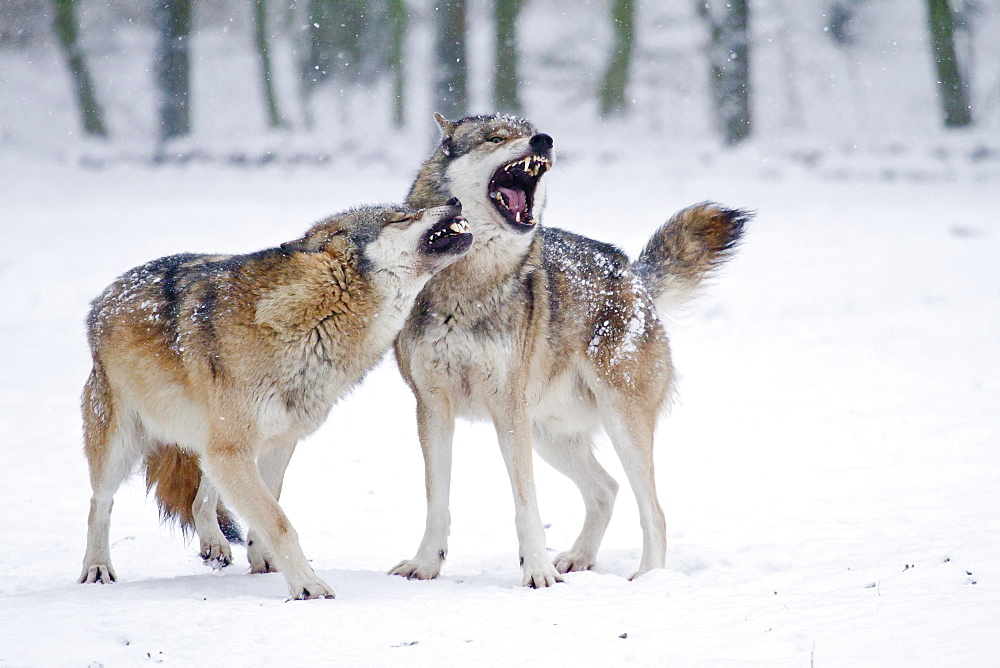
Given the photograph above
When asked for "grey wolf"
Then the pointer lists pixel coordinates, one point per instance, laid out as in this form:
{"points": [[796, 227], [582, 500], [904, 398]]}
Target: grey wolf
{"points": [[229, 360], [550, 335]]}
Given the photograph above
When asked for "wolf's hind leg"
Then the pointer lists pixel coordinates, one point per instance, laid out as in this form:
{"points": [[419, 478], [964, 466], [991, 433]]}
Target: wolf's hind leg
{"points": [[631, 430], [112, 445], [573, 456]]}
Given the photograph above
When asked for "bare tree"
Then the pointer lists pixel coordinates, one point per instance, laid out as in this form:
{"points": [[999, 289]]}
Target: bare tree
{"points": [[399, 19], [173, 67], [262, 43], [506, 79], [615, 83], [729, 63], [952, 90], [335, 46], [91, 114], [451, 80]]}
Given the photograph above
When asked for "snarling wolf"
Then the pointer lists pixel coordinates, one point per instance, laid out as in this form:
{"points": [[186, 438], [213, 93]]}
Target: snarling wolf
{"points": [[550, 335], [223, 362]]}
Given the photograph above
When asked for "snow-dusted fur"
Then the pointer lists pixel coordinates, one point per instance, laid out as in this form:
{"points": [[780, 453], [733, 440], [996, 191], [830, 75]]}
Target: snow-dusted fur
{"points": [[551, 335], [689, 248], [236, 358]]}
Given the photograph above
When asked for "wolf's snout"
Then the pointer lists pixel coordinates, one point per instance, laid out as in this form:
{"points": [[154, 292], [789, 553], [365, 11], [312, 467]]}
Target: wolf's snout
{"points": [[454, 201], [541, 142], [450, 235]]}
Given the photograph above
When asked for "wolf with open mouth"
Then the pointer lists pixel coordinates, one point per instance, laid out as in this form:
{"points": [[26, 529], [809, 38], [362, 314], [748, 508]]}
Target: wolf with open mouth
{"points": [[550, 335], [208, 369]]}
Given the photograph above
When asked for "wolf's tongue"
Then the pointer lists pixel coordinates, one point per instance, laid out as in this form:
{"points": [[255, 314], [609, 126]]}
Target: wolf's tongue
{"points": [[515, 199]]}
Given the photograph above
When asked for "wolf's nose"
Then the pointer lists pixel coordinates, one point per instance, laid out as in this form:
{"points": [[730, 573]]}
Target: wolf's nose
{"points": [[541, 142], [454, 201]]}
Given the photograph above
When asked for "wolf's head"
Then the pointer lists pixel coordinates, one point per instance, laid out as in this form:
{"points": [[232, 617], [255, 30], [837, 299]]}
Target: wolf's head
{"points": [[391, 239], [494, 164]]}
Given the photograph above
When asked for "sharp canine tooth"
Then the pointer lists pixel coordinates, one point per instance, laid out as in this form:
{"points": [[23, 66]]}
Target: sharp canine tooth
{"points": [[455, 227]]}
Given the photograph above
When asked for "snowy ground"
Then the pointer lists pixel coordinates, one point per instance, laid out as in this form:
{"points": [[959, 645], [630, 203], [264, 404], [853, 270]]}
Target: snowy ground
{"points": [[830, 474]]}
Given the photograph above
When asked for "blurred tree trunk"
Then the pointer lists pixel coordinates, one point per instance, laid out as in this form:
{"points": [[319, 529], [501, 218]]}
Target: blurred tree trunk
{"points": [[451, 88], [314, 66], [335, 48], [506, 78], [66, 28], [335, 30], [173, 67], [612, 96], [729, 62], [274, 117], [398, 19], [952, 90]]}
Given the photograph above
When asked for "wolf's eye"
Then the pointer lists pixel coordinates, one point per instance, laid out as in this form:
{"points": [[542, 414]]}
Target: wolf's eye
{"points": [[495, 140]]}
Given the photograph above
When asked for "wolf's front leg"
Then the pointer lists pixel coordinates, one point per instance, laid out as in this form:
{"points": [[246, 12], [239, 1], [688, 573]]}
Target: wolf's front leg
{"points": [[230, 464], [272, 465], [215, 548], [436, 428], [513, 425]]}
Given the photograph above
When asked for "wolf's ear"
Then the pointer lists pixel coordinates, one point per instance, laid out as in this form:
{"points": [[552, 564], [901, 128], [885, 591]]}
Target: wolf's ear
{"points": [[302, 245], [447, 127], [313, 242]]}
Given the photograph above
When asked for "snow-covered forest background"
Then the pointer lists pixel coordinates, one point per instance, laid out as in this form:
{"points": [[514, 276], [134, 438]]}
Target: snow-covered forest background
{"points": [[829, 472], [325, 80]]}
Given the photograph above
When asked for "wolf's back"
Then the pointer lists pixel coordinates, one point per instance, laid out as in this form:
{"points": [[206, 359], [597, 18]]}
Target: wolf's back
{"points": [[690, 247]]}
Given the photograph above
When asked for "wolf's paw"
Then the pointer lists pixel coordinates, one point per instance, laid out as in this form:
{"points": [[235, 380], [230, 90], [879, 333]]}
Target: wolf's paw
{"points": [[216, 554], [568, 562], [412, 569], [260, 561], [638, 574], [540, 574], [98, 573], [313, 589]]}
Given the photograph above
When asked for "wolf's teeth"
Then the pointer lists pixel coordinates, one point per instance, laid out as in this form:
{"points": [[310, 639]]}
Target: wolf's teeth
{"points": [[455, 227]]}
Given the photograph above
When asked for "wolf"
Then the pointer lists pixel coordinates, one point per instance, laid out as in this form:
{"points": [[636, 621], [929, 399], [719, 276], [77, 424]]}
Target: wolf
{"points": [[225, 361], [550, 335]]}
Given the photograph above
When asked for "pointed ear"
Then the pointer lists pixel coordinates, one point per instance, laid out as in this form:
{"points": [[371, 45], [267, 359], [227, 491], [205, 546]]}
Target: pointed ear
{"points": [[297, 246], [447, 127], [314, 241]]}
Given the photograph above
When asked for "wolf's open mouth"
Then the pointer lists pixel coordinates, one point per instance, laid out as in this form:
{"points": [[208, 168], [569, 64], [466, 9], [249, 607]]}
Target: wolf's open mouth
{"points": [[512, 189], [449, 235]]}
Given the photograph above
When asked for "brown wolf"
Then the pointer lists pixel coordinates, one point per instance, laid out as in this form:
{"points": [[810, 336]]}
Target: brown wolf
{"points": [[550, 335], [234, 358]]}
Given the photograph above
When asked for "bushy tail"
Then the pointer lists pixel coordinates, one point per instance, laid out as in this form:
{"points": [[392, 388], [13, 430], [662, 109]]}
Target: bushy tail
{"points": [[690, 247], [176, 476]]}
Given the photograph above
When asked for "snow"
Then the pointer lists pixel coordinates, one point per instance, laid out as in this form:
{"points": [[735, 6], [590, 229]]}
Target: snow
{"points": [[829, 474]]}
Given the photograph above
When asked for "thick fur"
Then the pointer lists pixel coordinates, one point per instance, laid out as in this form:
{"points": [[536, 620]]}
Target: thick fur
{"points": [[552, 336], [174, 476], [233, 359], [689, 248]]}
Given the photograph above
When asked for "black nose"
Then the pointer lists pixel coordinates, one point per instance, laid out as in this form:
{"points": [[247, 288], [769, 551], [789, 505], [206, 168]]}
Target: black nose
{"points": [[541, 142], [454, 201]]}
